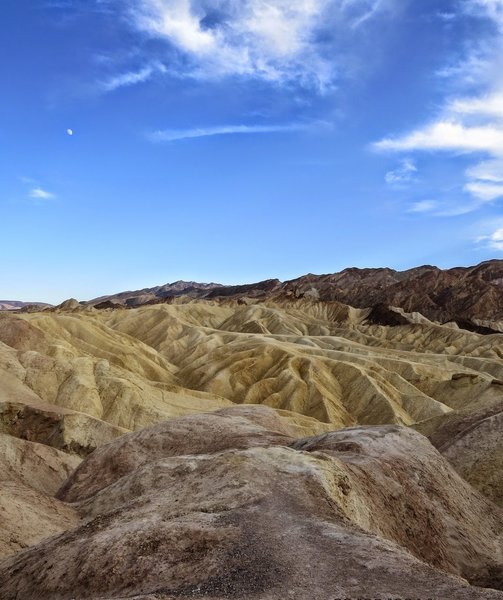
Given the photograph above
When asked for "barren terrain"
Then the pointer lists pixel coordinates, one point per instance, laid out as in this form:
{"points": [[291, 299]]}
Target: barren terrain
{"points": [[270, 445]]}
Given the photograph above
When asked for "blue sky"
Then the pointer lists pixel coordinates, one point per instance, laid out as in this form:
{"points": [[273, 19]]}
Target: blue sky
{"points": [[145, 141]]}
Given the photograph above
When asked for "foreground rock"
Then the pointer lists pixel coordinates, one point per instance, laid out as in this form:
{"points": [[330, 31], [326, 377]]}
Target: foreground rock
{"points": [[473, 443], [30, 475], [228, 505]]}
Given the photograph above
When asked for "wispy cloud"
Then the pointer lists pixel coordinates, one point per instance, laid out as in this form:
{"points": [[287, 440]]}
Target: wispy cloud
{"points": [[41, 194], [171, 135], [424, 206], [469, 124], [131, 77], [448, 135], [485, 179], [494, 240], [447, 16], [278, 40], [80, 6], [403, 174], [489, 170], [491, 8], [484, 192], [367, 10], [441, 209]]}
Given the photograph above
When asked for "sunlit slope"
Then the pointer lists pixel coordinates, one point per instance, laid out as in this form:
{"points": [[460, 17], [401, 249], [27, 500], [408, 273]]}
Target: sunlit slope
{"points": [[30, 475], [86, 379], [132, 368], [321, 362]]}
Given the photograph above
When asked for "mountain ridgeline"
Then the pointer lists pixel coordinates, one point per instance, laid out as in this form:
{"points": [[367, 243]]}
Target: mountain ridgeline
{"points": [[469, 296]]}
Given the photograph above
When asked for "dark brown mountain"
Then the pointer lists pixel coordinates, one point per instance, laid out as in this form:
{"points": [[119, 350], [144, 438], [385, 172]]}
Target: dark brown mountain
{"points": [[253, 290], [461, 293], [470, 296], [158, 293]]}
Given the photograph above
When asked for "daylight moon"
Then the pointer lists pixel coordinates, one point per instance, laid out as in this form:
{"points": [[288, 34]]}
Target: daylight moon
{"points": [[69, 131]]}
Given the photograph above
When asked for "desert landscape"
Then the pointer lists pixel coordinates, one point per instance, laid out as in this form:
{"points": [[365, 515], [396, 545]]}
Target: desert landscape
{"points": [[251, 326], [327, 437]]}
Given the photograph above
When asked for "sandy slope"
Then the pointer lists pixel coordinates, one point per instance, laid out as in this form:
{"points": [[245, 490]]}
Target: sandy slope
{"points": [[74, 381], [472, 441], [322, 363], [30, 475]]}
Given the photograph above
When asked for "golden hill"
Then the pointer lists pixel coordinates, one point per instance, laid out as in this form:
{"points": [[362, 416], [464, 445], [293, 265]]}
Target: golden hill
{"points": [[131, 368], [230, 390]]}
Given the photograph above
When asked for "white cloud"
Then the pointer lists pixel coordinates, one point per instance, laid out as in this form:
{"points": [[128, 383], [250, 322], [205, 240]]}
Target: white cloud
{"points": [[131, 78], [491, 8], [485, 179], [471, 71], [469, 124], [423, 206], [170, 135], [40, 193], [494, 240], [484, 192], [489, 170], [275, 40], [490, 105], [252, 37], [402, 175], [450, 136]]}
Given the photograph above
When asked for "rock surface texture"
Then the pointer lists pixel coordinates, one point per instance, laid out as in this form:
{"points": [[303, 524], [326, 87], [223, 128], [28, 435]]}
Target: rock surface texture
{"points": [[265, 442], [229, 505]]}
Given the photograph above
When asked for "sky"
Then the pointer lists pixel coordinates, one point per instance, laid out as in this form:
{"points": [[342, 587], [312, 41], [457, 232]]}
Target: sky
{"points": [[146, 141]]}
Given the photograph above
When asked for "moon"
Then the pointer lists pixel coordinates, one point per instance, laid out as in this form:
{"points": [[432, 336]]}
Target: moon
{"points": [[69, 131]]}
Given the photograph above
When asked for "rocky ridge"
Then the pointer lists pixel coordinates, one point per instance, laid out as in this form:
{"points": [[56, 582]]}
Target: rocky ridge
{"points": [[470, 296], [17, 305], [231, 505]]}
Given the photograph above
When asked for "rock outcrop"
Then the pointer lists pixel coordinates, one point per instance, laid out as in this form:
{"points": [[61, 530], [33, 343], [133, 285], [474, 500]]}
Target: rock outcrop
{"points": [[473, 443], [226, 506], [30, 475]]}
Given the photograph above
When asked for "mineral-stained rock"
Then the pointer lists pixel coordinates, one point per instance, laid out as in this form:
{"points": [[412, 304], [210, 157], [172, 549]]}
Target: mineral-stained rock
{"points": [[30, 475], [195, 434], [473, 443], [228, 506], [463, 294], [67, 430]]}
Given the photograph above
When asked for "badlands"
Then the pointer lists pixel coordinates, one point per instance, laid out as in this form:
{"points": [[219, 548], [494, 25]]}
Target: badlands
{"points": [[335, 436]]}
